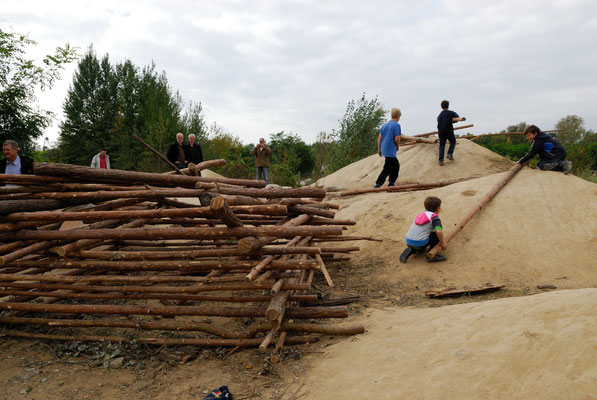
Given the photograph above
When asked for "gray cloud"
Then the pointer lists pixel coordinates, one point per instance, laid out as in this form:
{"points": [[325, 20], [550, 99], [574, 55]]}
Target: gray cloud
{"points": [[265, 66]]}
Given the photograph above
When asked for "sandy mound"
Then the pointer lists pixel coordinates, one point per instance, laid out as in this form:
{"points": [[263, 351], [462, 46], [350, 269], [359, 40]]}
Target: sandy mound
{"points": [[540, 346], [536, 230], [210, 174], [419, 164]]}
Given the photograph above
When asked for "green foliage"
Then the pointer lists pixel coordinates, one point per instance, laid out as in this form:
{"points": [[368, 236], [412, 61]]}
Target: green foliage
{"points": [[357, 136], [573, 130], [291, 150], [20, 118]]}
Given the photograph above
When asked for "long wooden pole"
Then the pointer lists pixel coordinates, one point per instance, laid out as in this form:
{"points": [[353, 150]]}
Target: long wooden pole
{"points": [[157, 153], [406, 187], [435, 132], [486, 199]]}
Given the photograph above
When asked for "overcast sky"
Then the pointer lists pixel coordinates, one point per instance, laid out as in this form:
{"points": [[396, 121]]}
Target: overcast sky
{"points": [[260, 67]]}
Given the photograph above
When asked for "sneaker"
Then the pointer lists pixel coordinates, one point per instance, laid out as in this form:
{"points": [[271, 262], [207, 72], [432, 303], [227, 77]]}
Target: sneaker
{"points": [[405, 254], [438, 257], [391, 184], [567, 167], [450, 157], [441, 162], [376, 186]]}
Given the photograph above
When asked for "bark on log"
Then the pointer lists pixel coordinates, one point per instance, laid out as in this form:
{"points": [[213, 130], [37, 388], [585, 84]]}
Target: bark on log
{"points": [[254, 312], [272, 193], [25, 251], [301, 209], [11, 206], [86, 173], [158, 341], [486, 199], [201, 166], [224, 213], [252, 243]]}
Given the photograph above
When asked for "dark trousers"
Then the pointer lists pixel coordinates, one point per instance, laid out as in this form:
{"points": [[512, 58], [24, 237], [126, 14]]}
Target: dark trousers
{"points": [[442, 144], [433, 241], [391, 168], [556, 164]]}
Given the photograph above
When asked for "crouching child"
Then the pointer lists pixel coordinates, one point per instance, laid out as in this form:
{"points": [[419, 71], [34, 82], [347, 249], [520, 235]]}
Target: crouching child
{"points": [[426, 232]]}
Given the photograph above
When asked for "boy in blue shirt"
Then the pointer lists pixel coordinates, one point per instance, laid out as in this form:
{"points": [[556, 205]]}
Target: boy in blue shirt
{"points": [[388, 143], [426, 231]]}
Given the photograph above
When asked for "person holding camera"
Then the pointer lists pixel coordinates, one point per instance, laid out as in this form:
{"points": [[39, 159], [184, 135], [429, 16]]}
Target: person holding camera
{"points": [[262, 154]]}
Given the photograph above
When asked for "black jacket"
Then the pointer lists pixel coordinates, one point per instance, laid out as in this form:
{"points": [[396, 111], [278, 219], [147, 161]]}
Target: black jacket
{"points": [[549, 149], [194, 153], [26, 165], [173, 152]]}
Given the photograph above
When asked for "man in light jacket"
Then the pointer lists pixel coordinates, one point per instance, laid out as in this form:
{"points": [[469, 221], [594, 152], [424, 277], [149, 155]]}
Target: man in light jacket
{"points": [[101, 160]]}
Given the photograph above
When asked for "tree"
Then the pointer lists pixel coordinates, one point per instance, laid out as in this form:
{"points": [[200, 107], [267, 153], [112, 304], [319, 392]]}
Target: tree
{"points": [[291, 150], [573, 130], [357, 137], [20, 117], [90, 108]]}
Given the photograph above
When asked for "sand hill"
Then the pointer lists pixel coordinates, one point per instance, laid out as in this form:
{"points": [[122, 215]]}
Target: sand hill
{"points": [[418, 163]]}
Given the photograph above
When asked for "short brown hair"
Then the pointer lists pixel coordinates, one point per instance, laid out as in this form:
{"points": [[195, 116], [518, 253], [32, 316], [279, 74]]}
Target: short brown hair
{"points": [[395, 113], [432, 203], [532, 129], [445, 104]]}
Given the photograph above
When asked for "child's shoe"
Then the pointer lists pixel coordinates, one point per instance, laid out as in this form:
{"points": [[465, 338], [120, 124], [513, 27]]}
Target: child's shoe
{"points": [[376, 186], [438, 257], [391, 184], [405, 254], [450, 157]]}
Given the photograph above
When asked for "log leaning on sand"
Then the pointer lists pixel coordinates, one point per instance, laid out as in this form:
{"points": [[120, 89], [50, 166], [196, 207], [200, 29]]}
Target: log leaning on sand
{"points": [[486, 199], [407, 187]]}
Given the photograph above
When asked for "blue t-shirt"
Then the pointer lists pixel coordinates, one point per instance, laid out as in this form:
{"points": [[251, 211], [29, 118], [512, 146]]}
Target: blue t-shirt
{"points": [[389, 131]]}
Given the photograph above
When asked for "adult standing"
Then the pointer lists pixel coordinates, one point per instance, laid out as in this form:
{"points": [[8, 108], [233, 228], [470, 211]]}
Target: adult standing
{"points": [[194, 151], [445, 129], [177, 153], [101, 160], [13, 163], [262, 154], [388, 143]]}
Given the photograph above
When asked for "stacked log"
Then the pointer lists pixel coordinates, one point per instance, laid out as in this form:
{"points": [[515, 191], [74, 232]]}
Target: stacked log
{"points": [[89, 254]]}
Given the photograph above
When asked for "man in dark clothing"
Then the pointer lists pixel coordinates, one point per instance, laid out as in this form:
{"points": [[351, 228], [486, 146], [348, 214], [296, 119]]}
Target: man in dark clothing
{"points": [[13, 163], [445, 129], [177, 153], [551, 152], [194, 153]]}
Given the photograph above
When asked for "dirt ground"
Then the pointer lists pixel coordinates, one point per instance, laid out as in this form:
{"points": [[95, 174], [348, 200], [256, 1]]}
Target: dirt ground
{"points": [[518, 343]]}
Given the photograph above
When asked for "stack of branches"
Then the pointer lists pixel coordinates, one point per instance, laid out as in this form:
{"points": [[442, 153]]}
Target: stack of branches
{"points": [[111, 255]]}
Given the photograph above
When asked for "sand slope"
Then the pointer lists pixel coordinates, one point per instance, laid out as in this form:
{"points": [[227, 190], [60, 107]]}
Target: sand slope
{"points": [[419, 164], [536, 347]]}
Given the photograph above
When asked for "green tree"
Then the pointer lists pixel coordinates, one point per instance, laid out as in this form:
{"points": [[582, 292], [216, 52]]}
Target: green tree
{"points": [[572, 130], [90, 108], [20, 117], [357, 136], [291, 150]]}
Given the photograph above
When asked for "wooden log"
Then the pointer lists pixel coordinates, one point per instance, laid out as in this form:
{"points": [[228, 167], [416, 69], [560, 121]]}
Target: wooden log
{"points": [[224, 213], [302, 209], [486, 199], [32, 179], [164, 265], [254, 312], [11, 206], [467, 291], [196, 212], [25, 251], [324, 270], [272, 192], [435, 132], [506, 134], [205, 199], [87, 173], [157, 341], [201, 166], [194, 254], [150, 296], [267, 233], [251, 243], [405, 187], [157, 153]]}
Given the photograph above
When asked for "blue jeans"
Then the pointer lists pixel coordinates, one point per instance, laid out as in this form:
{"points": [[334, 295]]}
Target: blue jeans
{"points": [[263, 173]]}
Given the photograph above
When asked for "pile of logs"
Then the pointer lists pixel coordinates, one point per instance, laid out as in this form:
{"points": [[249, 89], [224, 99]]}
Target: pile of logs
{"points": [[111, 255]]}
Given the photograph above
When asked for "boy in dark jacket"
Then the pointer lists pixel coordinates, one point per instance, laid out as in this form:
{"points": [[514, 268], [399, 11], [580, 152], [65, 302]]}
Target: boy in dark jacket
{"points": [[551, 152], [426, 231]]}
